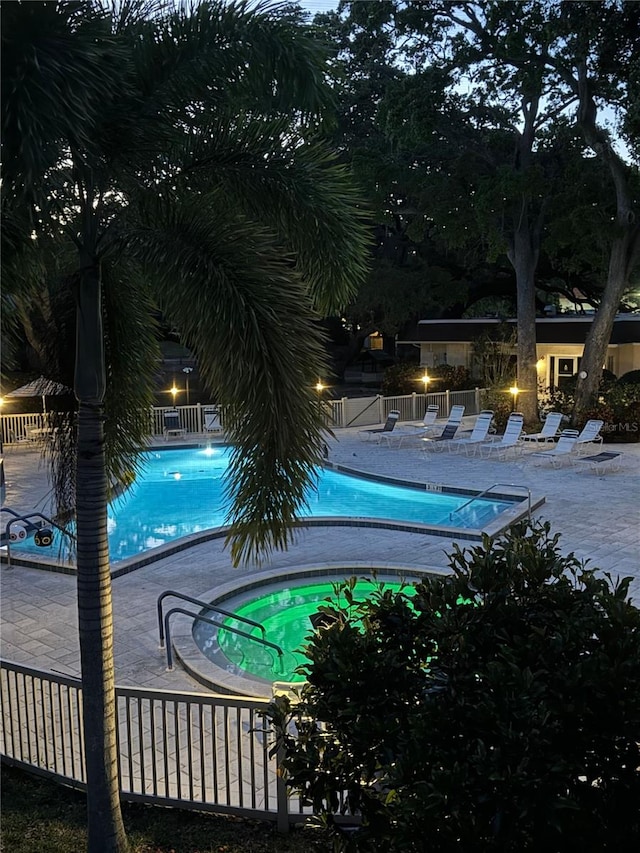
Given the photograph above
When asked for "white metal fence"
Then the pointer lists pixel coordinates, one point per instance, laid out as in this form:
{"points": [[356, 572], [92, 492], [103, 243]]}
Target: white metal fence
{"points": [[29, 430], [192, 750]]}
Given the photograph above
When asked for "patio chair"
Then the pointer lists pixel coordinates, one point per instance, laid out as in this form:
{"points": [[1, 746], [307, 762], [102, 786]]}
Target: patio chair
{"points": [[407, 432], [469, 444], [374, 434], [172, 428], [549, 429], [211, 416], [600, 463], [508, 441], [589, 436], [450, 427], [449, 431], [563, 451]]}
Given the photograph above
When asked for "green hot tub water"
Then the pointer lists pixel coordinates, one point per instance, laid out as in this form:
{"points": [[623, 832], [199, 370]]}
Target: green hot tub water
{"points": [[285, 614]]}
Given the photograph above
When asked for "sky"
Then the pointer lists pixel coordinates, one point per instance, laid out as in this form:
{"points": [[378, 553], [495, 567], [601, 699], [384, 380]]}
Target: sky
{"points": [[315, 6]]}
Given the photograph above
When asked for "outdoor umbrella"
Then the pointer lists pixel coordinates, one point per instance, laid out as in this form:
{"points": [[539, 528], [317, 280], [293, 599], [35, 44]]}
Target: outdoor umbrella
{"points": [[40, 387]]}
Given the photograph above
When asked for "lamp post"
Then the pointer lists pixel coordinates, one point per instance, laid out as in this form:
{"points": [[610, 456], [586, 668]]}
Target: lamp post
{"points": [[514, 391], [187, 371], [173, 391], [319, 386], [426, 379]]}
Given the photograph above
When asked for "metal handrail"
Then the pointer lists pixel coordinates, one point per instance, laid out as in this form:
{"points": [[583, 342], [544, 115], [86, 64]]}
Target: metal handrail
{"points": [[203, 604], [485, 491], [31, 527], [216, 625]]}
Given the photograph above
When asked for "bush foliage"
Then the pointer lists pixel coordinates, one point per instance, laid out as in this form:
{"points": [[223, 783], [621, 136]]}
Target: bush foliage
{"points": [[618, 405], [406, 378], [498, 709]]}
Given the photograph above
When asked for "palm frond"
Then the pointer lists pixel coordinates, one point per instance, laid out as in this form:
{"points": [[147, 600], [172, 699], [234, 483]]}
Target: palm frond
{"points": [[298, 188], [247, 315], [59, 65]]}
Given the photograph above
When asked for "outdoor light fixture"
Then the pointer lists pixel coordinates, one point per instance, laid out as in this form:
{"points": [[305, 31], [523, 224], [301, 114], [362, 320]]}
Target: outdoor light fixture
{"points": [[514, 391], [319, 387], [187, 371], [426, 379], [173, 391]]}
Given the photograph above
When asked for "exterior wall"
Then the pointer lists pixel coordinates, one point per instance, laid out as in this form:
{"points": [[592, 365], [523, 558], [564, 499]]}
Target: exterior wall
{"points": [[628, 358], [621, 358], [455, 354], [548, 357]]}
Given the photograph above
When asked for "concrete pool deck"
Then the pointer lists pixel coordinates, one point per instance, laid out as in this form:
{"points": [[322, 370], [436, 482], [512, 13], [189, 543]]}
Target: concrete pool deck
{"points": [[597, 515]]}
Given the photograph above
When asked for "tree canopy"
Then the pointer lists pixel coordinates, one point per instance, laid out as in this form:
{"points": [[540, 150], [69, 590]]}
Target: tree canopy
{"points": [[465, 123]]}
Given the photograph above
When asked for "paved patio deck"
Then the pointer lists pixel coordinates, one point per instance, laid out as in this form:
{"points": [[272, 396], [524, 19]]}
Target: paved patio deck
{"points": [[598, 516]]}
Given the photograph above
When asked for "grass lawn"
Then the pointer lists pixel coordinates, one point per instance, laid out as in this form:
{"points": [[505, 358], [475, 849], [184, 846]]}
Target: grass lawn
{"points": [[39, 816]]}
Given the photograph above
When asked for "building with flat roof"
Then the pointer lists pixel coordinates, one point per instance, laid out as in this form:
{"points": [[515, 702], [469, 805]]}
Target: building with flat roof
{"points": [[560, 343]]}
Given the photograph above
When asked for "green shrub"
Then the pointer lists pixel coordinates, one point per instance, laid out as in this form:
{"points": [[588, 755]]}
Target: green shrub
{"points": [[451, 377], [618, 405], [407, 379], [630, 378], [500, 402], [402, 379], [498, 711]]}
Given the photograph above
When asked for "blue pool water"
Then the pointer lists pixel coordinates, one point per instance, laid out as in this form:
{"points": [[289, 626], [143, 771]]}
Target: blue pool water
{"points": [[181, 492]]}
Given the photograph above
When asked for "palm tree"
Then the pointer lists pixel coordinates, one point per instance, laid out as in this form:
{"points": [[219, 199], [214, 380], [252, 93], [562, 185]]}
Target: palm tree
{"points": [[171, 157]]}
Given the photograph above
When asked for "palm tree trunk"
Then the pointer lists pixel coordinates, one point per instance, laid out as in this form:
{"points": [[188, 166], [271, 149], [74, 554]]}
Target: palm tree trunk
{"points": [[95, 619]]}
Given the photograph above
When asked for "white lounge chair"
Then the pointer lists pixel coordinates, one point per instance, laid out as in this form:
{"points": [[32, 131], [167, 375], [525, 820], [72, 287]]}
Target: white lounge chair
{"points": [[549, 429], [469, 444], [449, 430], [509, 440], [408, 432], [563, 451], [211, 416], [589, 436], [374, 434], [172, 427]]}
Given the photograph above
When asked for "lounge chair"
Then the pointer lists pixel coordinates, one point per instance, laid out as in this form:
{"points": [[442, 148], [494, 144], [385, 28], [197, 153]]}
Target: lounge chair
{"points": [[549, 429], [172, 428], [374, 434], [589, 436], [563, 451], [509, 440], [407, 432], [600, 463], [449, 431], [211, 416], [478, 434]]}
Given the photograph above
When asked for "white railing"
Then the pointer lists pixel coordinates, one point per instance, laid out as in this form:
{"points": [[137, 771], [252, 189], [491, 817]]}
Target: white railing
{"points": [[174, 748], [26, 430]]}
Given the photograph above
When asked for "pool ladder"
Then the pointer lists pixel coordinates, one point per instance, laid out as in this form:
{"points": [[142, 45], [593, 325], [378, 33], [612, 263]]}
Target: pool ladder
{"points": [[163, 624], [486, 491], [31, 525]]}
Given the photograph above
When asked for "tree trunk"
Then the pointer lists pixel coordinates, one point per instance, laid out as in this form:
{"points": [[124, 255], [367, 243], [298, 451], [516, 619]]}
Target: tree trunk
{"points": [[599, 335], [625, 246], [95, 620], [524, 258]]}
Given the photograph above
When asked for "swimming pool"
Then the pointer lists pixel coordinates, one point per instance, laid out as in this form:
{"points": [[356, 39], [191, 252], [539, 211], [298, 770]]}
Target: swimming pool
{"points": [[181, 492]]}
